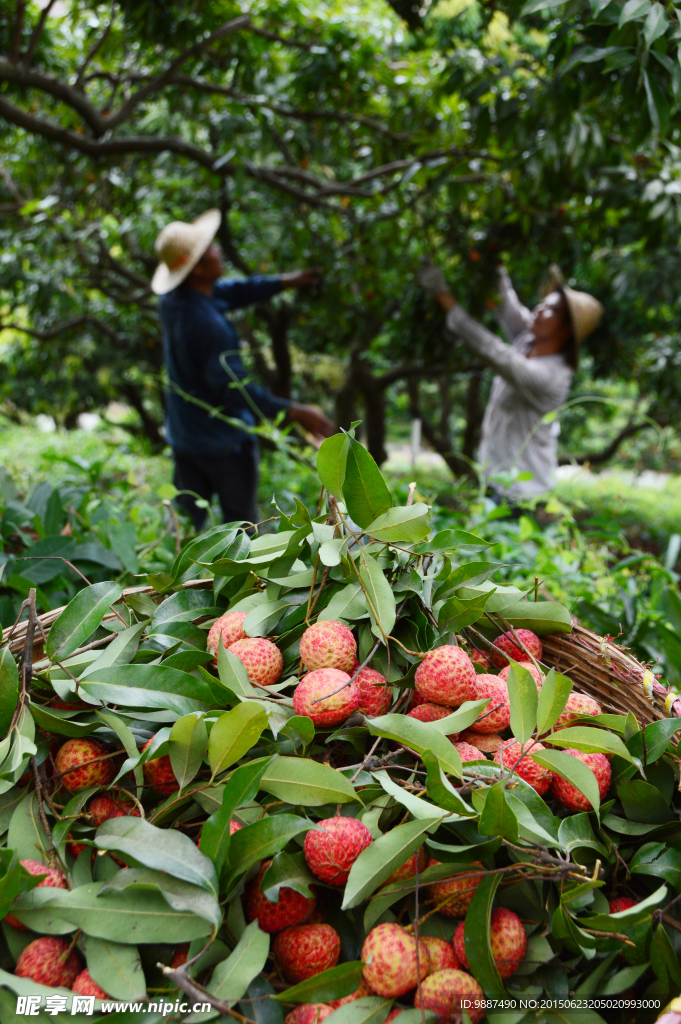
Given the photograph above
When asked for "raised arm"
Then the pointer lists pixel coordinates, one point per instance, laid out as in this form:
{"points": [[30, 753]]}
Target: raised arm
{"points": [[513, 317]]}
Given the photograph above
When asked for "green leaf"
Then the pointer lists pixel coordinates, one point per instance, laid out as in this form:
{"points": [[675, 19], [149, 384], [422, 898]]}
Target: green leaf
{"points": [[187, 746], [301, 781], [241, 787], [656, 24], [26, 836], [377, 862], [164, 849], [9, 689], [542, 617], [335, 983], [657, 736], [234, 734], [418, 736], [653, 859], [80, 619], [347, 605], [477, 939], [135, 697], [331, 460], [665, 961], [233, 674], [634, 9], [262, 1011], [178, 894], [116, 967], [416, 805], [575, 831], [380, 595], [368, 1010], [365, 492], [63, 723], [287, 870], [460, 719], [232, 977], [264, 838], [588, 740], [523, 698], [553, 696], [127, 739], [625, 920], [643, 802], [458, 612], [439, 789], [497, 817], [571, 768], [407, 524]]}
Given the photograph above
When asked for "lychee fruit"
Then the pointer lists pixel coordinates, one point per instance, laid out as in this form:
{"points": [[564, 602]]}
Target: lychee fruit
{"points": [[441, 953], [53, 880], [292, 907], [308, 1013], [226, 630], [507, 643], [510, 757], [305, 950], [446, 676], [485, 742], [338, 701], [328, 644], [179, 956], [63, 705], [234, 826], [375, 696], [467, 752], [360, 993], [446, 991], [568, 795], [389, 955], [621, 903], [85, 985], [331, 853], [577, 704], [508, 941], [75, 754], [408, 869], [159, 774], [47, 960], [497, 715], [103, 807], [480, 659], [457, 891], [429, 712], [261, 658], [74, 848], [416, 700], [532, 669]]}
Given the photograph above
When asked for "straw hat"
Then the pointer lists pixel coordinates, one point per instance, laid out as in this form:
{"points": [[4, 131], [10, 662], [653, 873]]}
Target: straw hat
{"points": [[585, 311], [180, 246]]}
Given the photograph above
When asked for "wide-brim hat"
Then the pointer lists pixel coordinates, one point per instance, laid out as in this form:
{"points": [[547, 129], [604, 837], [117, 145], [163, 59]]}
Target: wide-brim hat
{"points": [[585, 311], [180, 246]]}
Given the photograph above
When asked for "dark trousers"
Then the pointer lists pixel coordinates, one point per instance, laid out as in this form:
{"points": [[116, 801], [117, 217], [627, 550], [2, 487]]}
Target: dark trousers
{"points": [[233, 477]]}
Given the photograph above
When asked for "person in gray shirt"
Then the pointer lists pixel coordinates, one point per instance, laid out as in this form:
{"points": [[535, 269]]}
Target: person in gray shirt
{"points": [[533, 373]]}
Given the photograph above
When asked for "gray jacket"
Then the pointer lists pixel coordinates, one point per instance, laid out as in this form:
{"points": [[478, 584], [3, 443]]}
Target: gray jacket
{"points": [[523, 391]]}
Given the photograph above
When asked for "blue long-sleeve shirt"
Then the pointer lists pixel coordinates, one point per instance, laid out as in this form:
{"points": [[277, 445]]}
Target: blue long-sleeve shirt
{"points": [[195, 335]]}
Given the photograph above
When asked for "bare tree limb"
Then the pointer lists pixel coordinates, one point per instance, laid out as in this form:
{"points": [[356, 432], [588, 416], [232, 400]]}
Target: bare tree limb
{"points": [[37, 32], [94, 50], [20, 13], [597, 458]]}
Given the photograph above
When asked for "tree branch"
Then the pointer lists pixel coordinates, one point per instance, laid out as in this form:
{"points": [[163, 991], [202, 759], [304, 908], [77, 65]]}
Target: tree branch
{"points": [[18, 30], [37, 32], [597, 458], [94, 50]]}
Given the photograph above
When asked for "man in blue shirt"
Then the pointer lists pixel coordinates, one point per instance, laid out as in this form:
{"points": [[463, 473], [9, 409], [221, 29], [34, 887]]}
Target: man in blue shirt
{"points": [[201, 350]]}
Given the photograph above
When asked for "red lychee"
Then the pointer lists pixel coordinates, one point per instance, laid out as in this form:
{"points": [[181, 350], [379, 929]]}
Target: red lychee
{"points": [[75, 754], [104, 807], [429, 712], [63, 705], [328, 644], [226, 630], [568, 795], [261, 658], [389, 953], [488, 744], [442, 955], [446, 676], [309, 1013], [159, 774], [75, 849], [532, 669], [507, 643], [234, 826], [621, 903], [84, 985], [507, 940], [457, 891], [509, 756], [291, 908], [478, 658], [330, 854], [360, 993], [47, 961], [497, 715], [416, 700], [180, 956], [374, 695], [334, 707], [53, 880], [408, 869], [467, 752], [577, 704], [444, 993], [305, 950]]}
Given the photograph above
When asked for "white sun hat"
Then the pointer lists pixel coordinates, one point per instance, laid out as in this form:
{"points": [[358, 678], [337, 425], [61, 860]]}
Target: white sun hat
{"points": [[585, 311], [180, 246]]}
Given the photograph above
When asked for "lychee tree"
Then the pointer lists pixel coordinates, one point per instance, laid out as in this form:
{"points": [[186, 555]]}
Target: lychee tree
{"points": [[255, 783]]}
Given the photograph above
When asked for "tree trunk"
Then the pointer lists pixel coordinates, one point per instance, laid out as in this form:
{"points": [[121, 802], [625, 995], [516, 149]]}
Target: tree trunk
{"points": [[149, 424], [474, 414], [437, 441]]}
